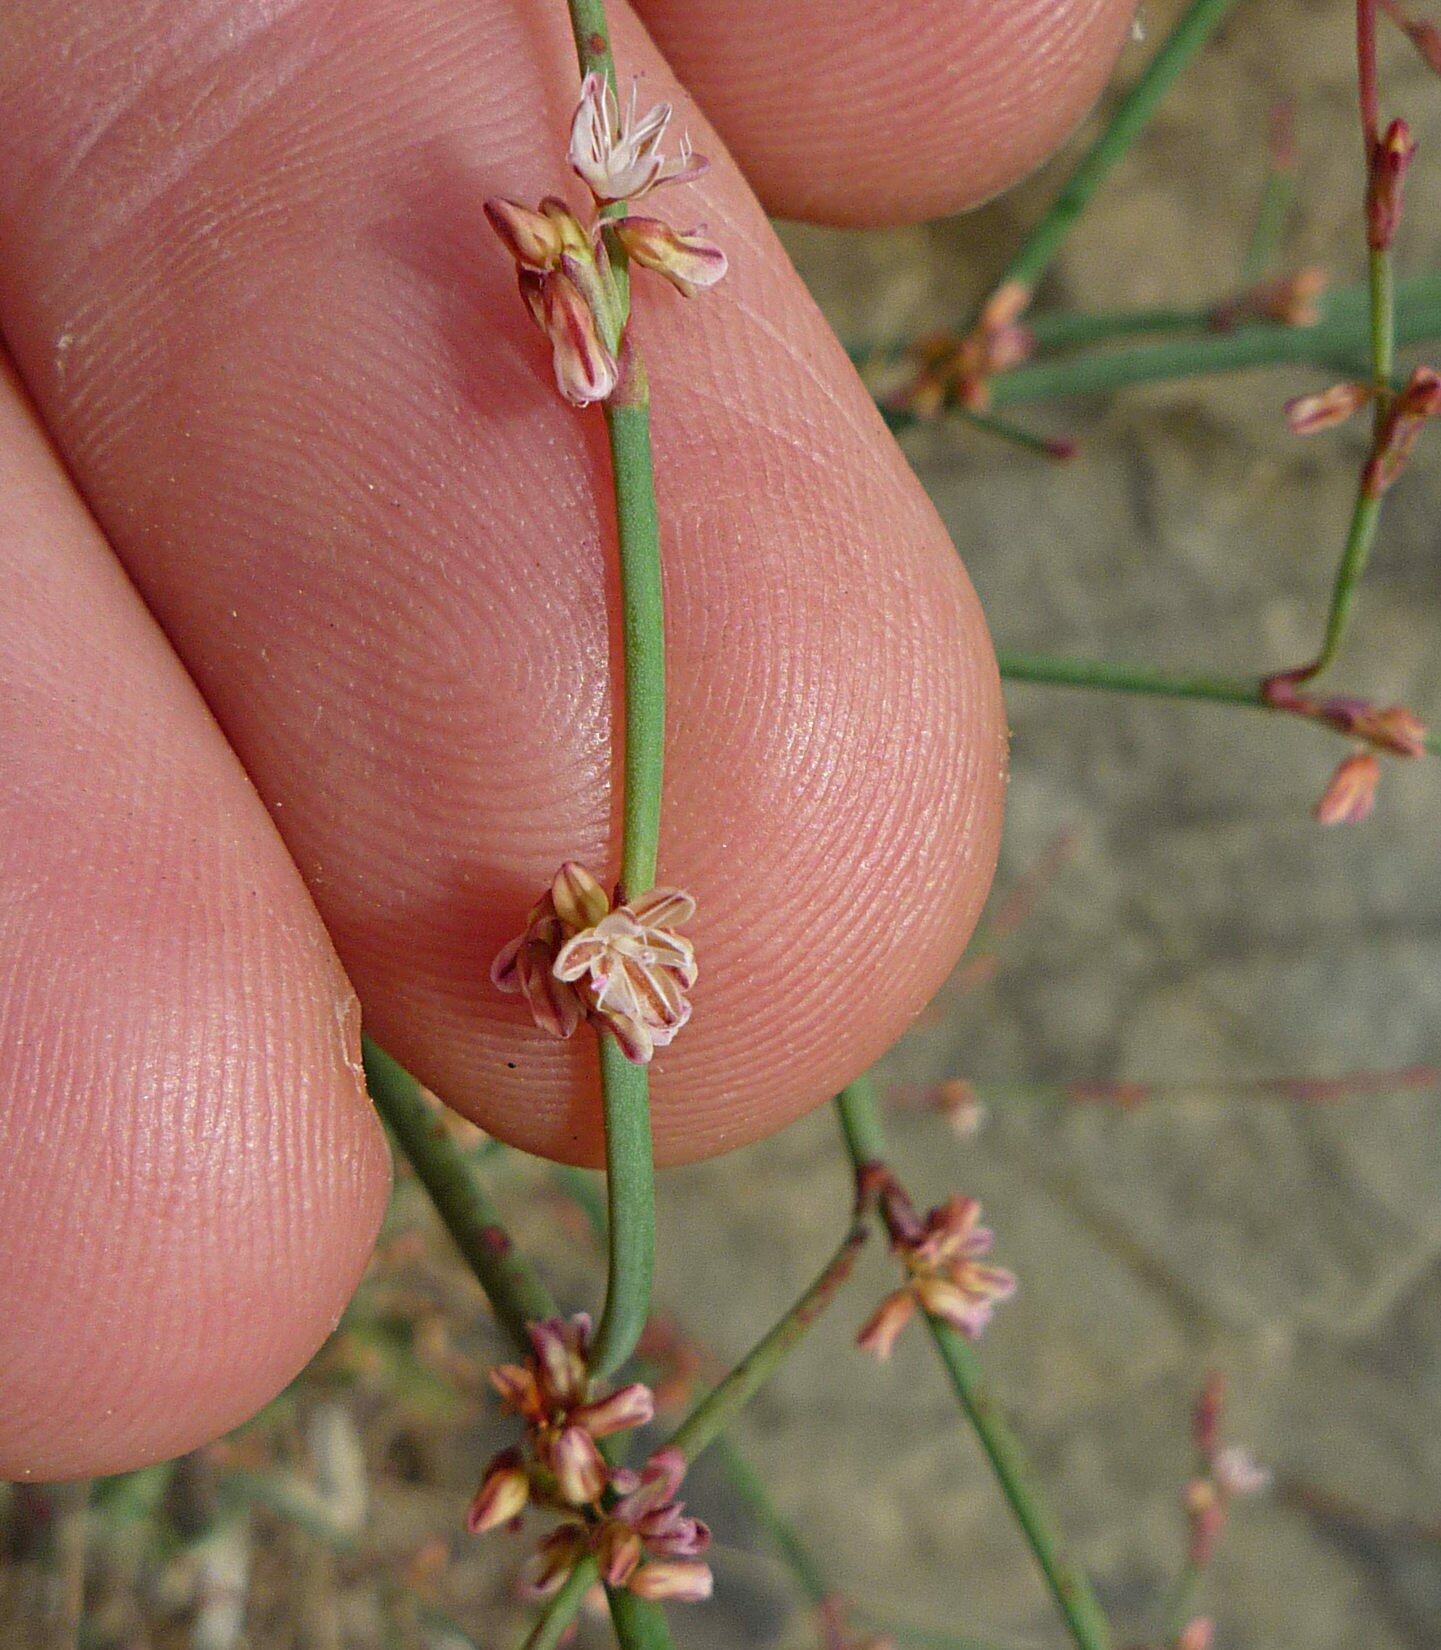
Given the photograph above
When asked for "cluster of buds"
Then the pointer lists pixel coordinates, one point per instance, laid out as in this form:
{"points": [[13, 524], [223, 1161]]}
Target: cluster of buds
{"points": [[941, 1253], [1390, 160], [1226, 1473], [1403, 418], [621, 966], [563, 265], [1351, 793], [954, 371], [630, 1522]]}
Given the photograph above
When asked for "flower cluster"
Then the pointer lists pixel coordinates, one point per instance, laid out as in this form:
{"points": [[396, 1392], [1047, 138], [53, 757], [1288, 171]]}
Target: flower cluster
{"points": [[1227, 1471], [623, 967], [563, 265], [945, 1278], [630, 1521], [951, 371], [1351, 793]]}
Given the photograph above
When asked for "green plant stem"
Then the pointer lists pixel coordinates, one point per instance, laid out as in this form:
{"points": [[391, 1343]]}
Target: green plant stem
{"points": [[1061, 329], [1071, 1591], [591, 29], [630, 1178], [643, 627], [1277, 193], [512, 1286], [860, 1117], [639, 1622], [1017, 435], [1338, 342], [1110, 677], [1181, 1602], [1083, 1616], [1125, 125], [724, 1401], [772, 1523], [630, 1202], [561, 1610]]}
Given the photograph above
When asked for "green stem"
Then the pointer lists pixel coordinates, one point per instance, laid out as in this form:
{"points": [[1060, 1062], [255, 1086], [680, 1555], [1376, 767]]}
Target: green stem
{"points": [[772, 1523], [640, 1623], [1382, 289], [643, 628], [625, 1092], [562, 1609], [1124, 127], [860, 1117], [511, 1285], [1338, 341], [1060, 329], [1181, 1602], [1070, 1589], [865, 1142], [1017, 435], [724, 1401], [630, 1200], [1110, 677], [1276, 196], [591, 29], [1360, 540]]}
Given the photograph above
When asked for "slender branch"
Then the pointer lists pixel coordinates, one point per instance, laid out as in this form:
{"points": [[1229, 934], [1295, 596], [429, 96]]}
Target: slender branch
{"points": [[865, 1142], [772, 1523], [1131, 116], [724, 1401], [640, 1623], [562, 1609], [1143, 680], [512, 1286], [1071, 1591], [591, 29], [1338, 341], [630, 1202], [630, 1181]]}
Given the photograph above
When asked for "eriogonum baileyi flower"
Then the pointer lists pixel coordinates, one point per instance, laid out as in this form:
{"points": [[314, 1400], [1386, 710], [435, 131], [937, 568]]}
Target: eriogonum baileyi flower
{"points": [[561, 1466], [946, 1278], [689, 262], [623, 967], [616, 153], [639, 1534]]}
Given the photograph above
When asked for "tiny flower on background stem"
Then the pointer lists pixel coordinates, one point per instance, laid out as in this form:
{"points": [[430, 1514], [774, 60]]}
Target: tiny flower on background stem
{"points": [[946, 1279], [1351, 794], [1324, 409], [622, 967]]}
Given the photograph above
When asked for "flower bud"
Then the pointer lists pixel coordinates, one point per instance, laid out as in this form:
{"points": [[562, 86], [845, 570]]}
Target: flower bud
{"points": [[1323, 409], [502, 1495], [1390, 161], [1351, 795], [689, 262], [680, 1579]]}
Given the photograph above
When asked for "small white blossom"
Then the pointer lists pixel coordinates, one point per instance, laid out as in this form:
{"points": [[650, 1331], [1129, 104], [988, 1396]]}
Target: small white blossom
{"points": [[619, 156]]}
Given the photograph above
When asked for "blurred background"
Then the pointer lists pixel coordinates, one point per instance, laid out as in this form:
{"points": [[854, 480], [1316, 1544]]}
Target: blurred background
{"points": [[1182, 928]]}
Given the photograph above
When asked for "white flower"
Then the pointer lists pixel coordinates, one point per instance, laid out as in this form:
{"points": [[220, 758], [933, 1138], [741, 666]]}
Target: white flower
{"points": [[619, 157]]}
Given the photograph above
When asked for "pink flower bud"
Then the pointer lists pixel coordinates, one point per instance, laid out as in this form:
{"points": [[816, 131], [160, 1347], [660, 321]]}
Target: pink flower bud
{"points": [[532, 239], [580, 901], [552, 1561], [1307, 414], [585, 369], [579, 1467], [1418, 403], [688, 261], [502, 1495], [1197, 1634], [1351, 795], [679, 1579], [1237, 1472], [883, 1328], [630, 1406], [1390, 161], [618, 1551]]}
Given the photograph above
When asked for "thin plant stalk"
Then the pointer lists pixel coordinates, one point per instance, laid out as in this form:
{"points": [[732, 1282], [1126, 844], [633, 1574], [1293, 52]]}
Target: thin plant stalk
{"points": [[724, 1401], [1366, 512], [511, 1284], [1131, 116], [630, 1206], [1072, 1592], [625, 1087], [558, 1614], [640, 1623], [1108, 676]]}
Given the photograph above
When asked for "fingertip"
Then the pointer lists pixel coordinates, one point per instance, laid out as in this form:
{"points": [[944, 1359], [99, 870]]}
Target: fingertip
{"points": [[869, 112]]}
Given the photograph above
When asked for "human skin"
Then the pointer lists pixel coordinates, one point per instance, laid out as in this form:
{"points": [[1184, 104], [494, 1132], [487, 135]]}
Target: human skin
{"points": [[308, 652]]}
